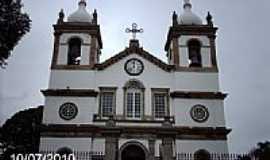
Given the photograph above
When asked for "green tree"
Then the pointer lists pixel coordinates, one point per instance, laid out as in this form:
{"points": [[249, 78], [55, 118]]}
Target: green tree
{"points": [[261, 152], [14, 24], [21, 134]]}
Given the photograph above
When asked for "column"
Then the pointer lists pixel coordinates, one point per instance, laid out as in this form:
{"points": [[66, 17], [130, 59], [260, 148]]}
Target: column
{"points": [[111, 148]]}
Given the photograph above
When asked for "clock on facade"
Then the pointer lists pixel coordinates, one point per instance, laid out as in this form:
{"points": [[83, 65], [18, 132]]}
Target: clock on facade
{"points": [[68, 111], [199, 113], [134, 67]]}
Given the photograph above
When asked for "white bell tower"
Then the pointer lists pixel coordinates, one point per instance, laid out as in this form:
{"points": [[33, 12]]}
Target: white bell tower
{"points": [[191, 44], [78, 41]]}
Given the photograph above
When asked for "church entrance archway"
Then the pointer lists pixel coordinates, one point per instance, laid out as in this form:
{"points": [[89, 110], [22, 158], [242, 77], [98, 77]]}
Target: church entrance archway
{"points": [[133, 151]]}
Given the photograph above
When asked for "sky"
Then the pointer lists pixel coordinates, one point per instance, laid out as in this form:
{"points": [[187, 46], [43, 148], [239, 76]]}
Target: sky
{"points": [[243, 54]]}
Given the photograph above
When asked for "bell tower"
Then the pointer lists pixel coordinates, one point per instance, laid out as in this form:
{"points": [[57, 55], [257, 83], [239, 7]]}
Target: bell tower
{"points": [[191, 43], [77, 41]]}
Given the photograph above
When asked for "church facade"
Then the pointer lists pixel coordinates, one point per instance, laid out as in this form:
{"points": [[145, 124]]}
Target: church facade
{"points": [[133, 103]]}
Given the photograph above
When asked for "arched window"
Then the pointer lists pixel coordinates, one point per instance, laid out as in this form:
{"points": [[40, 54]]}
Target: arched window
{"points": [[202, 154], [134, 99], [194, 50], [74, 51]]}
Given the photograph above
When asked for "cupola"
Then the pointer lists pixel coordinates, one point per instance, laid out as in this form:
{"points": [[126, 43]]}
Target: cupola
{"points": [[81, 15], [188, 17]]}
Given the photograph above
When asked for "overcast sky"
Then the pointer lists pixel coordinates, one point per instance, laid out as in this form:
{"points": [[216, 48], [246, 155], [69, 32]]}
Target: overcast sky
{"points": [[242, 44]]}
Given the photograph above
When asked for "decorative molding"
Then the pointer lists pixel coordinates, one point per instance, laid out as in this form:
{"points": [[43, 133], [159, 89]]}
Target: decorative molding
{"points": [[197, 69], [83, 44], [198, 95], [72, 67], [93, 52], [176, 52], [178, 30], [74, 27], [185, 133], [134, 50], [55, 50], [70, 92], [122, 119]]}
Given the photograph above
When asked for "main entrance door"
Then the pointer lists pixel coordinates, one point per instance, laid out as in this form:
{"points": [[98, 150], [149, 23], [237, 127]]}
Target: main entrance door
{"points": [[133, 152]]}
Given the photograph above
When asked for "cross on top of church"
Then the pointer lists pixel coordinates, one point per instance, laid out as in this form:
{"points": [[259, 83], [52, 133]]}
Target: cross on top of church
{"points": [[134, 30]]}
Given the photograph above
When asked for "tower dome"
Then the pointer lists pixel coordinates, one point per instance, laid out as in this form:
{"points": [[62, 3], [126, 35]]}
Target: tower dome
{"points": [[188, 17], [81, 15]]}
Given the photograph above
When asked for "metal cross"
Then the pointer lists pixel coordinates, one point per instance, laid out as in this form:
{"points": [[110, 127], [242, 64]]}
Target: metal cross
{"points": [[134, 30]]}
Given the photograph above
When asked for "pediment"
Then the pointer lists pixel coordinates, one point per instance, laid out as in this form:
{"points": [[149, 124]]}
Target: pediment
{"points": [[138, 51]]}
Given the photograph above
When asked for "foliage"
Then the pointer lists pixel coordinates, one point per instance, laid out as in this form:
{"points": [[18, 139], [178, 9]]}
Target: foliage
{"points": [[13, 26], [21, 134], [261, 152]]}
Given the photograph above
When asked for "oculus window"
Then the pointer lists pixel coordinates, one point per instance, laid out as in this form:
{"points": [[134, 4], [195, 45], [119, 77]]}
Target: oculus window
{"points": [[68, 111], [199, 113]]}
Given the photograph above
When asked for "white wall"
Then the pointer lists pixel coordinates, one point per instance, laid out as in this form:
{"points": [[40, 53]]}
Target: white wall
{"points": [[195, 81], [61, 79], [183, 81], [115, 76], [191, 146], [152, 77], [181, 111], [54, 144], [86, 108], [76, 144]]}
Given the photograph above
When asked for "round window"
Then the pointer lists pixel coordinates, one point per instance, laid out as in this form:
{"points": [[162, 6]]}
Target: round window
{"points": [[68, 111], [199, 113]]}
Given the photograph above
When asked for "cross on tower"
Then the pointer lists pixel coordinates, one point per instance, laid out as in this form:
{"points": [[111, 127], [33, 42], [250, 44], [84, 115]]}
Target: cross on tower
{"points": [[134, 30]]}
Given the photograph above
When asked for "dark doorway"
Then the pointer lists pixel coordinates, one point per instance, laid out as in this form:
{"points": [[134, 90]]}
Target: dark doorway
{"points": [[133, 152]]}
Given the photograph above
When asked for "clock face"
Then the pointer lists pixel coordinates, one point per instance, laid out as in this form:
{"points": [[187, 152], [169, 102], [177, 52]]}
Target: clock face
{"points": [[68, 111], [134, 67], [199, 113]]}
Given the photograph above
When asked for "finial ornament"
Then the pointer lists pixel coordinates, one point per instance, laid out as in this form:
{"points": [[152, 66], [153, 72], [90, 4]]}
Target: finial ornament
{"points": [[61, 17], [134, 30], [95, 17], [82, 2], [187, 4], [174, 18], [209, 19]]}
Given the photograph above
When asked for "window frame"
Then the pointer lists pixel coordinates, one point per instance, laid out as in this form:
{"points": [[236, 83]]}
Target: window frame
{"points": [[165, 92], [134, 92], [137, 86], [107, 90]]}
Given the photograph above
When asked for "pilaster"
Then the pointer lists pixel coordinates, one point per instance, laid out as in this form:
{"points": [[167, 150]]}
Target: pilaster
{"points": [[151, 143]]}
